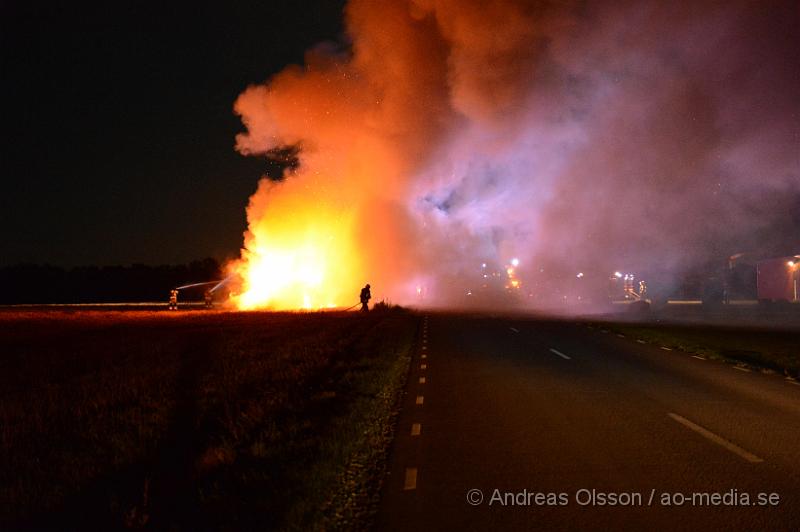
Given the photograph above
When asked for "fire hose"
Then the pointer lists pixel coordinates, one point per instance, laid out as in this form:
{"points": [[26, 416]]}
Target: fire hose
{"points": [[216, 284]]}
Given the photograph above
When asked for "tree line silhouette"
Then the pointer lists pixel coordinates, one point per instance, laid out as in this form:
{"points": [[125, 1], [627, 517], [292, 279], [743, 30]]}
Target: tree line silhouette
{"points": [[39, 284]]}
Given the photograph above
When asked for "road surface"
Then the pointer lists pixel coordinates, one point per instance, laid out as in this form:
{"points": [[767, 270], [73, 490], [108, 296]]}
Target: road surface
{"points": [[514, 423]]}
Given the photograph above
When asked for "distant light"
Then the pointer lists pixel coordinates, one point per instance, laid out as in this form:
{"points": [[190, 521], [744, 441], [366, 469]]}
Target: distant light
{"points": [[617, 275], [790, 264], [510, 271], [579, 275], [483, 265], [515, 262]]}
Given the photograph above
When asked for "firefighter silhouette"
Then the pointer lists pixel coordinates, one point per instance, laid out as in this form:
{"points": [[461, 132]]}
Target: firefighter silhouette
{"points": [[365, 297], [173, 299]]}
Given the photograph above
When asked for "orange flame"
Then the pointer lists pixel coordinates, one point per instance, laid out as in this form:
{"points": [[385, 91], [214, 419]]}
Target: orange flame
{"points": [[298, 255]]}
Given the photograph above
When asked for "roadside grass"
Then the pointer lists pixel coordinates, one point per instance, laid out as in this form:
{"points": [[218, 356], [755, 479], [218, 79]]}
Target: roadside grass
{"points": [[760, 348], [360, 439], [197, 421]]}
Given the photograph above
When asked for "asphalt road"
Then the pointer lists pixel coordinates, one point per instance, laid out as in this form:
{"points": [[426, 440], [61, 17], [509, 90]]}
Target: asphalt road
{"points": [[518, 407]]}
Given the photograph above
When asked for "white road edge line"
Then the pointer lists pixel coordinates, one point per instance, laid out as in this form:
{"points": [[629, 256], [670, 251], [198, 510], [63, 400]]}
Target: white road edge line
{"points": [[732, 447], [416, 429], [411, 479], [559, 353], [513, 329]]}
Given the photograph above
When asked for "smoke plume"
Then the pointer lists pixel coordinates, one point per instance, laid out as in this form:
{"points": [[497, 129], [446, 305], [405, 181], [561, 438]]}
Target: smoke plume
{"points": [[580, 136]]}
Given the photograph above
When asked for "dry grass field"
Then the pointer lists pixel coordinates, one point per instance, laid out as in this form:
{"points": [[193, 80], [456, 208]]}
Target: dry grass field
{"points": [[196, 420]]}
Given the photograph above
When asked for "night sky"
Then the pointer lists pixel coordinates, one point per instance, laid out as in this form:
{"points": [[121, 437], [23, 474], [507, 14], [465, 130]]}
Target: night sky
{"points": [[118, 128]]}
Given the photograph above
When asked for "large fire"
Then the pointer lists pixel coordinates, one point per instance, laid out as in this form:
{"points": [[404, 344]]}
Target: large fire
{"points": [[298, 256]]}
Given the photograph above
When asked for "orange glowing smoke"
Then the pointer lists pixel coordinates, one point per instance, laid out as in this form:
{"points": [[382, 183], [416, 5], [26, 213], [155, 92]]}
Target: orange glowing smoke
{"points": [[340, 220]]}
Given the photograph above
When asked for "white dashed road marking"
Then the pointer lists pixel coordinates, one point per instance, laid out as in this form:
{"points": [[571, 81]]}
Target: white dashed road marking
{"points": [[422, 380], [640, 342], [707, 434], [411, 479], [559, 353], [513, 329], [740, 368], [420, 399], [666, 348], [416, 429], [424, 355], [698, 357], [423, 366]]}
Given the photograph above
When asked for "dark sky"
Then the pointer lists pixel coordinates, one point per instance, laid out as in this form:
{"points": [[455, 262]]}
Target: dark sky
{"points": [[118, 128]]}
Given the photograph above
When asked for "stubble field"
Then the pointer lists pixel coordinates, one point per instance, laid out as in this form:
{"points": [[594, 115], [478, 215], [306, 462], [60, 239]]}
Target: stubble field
{"points": [[196, 420]]}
